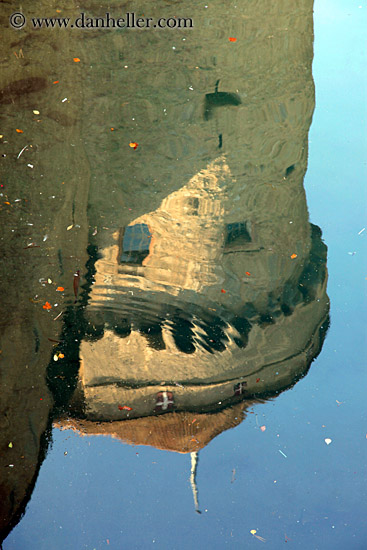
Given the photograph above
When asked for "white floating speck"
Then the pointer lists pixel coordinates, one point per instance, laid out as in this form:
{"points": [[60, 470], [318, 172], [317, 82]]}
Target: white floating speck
{"points": [[35, 112], [45, 238], [281, 452], [56, 358], [30, 165], [191, 88], [24, 148], [63, 100], [69, 227], [328, 441], [361, 231]]}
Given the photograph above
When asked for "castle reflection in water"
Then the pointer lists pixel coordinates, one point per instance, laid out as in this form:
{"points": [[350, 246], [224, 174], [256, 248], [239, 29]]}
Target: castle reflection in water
{"points": [[203, 283]]}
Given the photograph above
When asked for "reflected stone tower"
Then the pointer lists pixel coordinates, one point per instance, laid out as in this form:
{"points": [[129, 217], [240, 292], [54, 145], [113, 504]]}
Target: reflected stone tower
{"points": [[209, 282], [206, 283]]}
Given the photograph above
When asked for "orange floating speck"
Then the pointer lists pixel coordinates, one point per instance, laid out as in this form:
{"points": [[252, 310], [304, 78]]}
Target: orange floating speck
{"points": [[293, 256], [232, 39], [112, 129], [19, 131], [133, 144], [47, 305], [60, 289], [61, 356], [76, 59], [56, 81], [247, 273], [223, 291]]}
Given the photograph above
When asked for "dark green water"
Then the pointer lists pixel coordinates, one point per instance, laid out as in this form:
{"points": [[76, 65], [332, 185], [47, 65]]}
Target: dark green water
{"points": [[200, 379]]}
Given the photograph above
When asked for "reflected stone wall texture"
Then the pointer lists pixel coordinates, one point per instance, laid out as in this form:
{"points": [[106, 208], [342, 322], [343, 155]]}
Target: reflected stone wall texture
{"points": [[44, 187], [201, 280], [208, 272]]}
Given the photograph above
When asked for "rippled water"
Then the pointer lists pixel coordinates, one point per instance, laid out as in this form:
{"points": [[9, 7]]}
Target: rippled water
{"points": [[165, 280]]}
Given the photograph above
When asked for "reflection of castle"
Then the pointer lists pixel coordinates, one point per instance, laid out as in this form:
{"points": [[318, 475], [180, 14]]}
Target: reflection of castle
{"points": [[210, 283], [184, 298], [212, 200]]}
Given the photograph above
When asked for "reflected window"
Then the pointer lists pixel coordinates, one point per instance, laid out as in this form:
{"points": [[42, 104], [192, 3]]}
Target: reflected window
{"points": [[237, 234], [135, 243]]}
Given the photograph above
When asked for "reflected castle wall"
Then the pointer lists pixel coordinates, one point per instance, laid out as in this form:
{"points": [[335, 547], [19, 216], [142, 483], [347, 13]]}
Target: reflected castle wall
{"points": [[217, 194], [227, 277]]}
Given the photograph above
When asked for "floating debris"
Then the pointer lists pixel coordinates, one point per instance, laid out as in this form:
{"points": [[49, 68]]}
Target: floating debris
{"points": [[233, 475], [24, 148], [253, 533], [76, 282]]}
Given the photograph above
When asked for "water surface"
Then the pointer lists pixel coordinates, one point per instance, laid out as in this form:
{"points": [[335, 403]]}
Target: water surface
{"points": [[199, 380]]}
